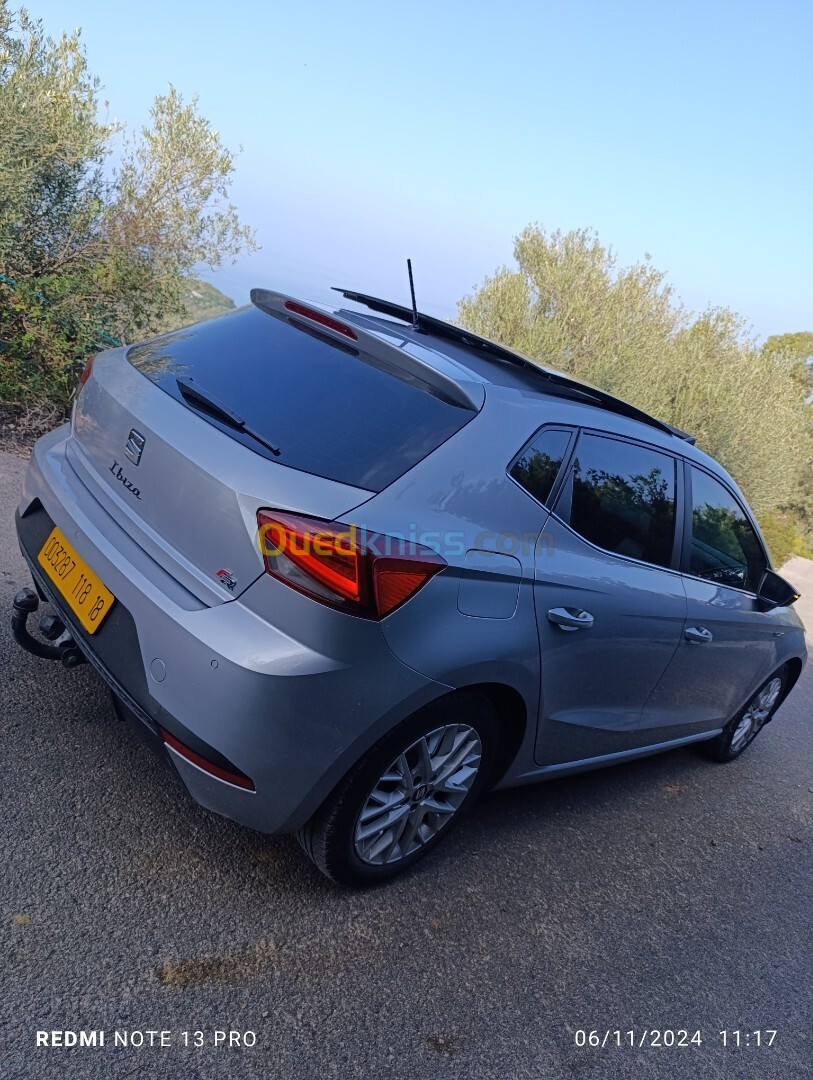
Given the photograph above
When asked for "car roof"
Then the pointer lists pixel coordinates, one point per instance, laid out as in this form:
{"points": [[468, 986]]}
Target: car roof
{"points": [[494, 361], [468, 361]]}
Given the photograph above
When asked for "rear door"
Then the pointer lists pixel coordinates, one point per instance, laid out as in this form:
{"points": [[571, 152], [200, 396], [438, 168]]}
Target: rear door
{"points": [[728, 644], [610, 604]]}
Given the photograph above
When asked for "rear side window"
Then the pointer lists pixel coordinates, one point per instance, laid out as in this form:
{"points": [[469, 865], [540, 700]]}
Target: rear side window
{"points": [[623, 498], [332, 409], [724, 546], [538, 465]]}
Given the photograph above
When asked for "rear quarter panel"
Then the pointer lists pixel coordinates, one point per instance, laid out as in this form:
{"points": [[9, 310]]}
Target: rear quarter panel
{"points": [[474, 622]]}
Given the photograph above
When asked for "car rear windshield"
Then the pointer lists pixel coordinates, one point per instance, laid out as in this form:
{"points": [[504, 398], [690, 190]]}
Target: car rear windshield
{"points": [[329, 408]]}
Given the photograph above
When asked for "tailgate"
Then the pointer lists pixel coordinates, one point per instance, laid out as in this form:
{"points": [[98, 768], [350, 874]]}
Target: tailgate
{"points": [[185, 491]]}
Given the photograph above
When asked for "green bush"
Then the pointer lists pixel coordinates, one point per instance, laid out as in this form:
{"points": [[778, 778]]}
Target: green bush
{"points": [[781, 533]]}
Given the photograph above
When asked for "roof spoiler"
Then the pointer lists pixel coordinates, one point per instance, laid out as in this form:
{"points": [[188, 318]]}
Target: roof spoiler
{"points": [[410, 368], [460, 336]]}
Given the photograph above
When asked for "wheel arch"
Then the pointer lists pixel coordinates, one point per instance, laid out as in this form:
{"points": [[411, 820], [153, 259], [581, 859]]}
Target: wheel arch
{"points": [[795, 666], [513, 719]]}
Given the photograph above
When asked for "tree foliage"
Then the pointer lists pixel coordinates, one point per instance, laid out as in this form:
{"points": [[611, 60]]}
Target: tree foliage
{"points": [[799, 345], [797, 348], [568, 304], [92, 250]]}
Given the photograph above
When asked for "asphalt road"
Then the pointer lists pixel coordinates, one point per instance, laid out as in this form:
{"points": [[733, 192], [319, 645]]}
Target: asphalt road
{"points": [[664, 894]]}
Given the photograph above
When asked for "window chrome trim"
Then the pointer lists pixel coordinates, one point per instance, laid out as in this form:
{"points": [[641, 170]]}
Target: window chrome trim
{"points": [[614, 554]]}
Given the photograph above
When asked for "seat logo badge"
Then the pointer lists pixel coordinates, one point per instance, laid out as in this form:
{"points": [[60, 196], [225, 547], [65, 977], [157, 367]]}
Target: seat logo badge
{"points": [[116, 470], [134, 446], [226, 579]]}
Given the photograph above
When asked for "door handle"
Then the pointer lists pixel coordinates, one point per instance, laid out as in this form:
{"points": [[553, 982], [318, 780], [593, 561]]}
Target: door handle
{"points": [[570, 618], [698, 635]]}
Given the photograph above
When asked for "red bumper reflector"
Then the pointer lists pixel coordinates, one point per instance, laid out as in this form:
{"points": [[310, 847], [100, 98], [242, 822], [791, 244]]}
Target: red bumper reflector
{"points": [[236, 778]]}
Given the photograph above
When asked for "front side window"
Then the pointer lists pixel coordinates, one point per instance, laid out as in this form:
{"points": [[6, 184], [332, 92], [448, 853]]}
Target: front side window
{"points": [[724, 546], [538, 465], [623, 498]]}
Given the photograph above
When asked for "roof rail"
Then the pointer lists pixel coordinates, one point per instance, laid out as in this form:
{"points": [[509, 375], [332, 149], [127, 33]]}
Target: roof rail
{"points": [[461, 336]]}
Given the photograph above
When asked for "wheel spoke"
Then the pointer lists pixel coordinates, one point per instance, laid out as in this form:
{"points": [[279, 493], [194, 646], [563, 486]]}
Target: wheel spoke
{"points": [[459, 782], [375, 812], [402, 767], [434, 806], [424, 769], [767, 699], [413, 823], [454, 759], [741, 732], [379, 849], [383, 823], [395, 840]]}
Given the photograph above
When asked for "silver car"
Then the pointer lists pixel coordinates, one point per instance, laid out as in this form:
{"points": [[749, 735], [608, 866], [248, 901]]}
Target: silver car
{"points": [[347, 568]]}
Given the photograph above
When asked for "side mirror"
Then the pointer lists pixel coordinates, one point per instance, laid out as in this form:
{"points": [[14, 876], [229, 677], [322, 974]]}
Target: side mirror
{"points": [[774, 591]]}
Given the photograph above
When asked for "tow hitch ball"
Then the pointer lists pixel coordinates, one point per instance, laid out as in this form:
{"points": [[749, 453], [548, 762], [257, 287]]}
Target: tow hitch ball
{"points": [[26, 603]]}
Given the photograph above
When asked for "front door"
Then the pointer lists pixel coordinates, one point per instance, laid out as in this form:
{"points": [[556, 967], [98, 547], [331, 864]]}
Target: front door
{"points": [[728, 645]]}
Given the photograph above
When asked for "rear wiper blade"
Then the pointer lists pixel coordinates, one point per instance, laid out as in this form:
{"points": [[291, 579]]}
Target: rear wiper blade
{"points": [[193, 392]]}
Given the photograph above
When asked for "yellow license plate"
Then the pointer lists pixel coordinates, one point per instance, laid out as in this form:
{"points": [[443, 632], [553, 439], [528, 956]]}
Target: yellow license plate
{"points": [[86, 596]]}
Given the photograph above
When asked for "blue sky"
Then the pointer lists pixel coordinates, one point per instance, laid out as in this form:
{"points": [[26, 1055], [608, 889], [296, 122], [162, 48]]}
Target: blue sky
{"points": [[374, 131]]}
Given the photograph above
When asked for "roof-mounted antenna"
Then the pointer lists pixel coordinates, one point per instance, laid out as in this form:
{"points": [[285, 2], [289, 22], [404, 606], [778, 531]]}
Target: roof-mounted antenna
{"points": [[416, 321]]}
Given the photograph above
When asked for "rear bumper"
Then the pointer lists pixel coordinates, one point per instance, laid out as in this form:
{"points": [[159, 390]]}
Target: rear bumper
{"points": [[292, 709]]}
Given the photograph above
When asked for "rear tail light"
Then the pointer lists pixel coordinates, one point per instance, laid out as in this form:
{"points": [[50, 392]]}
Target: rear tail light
{"points": [[86, 370], [364, 573]]}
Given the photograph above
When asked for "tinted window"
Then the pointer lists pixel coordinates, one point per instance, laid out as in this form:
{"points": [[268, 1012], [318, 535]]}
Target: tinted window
{"points": [[624, 498], [538, 465], [331, 409], [724, 545]]}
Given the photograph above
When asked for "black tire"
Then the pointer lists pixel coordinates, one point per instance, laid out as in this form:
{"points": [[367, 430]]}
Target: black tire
{"points": [[733, 739], [329, 838]]}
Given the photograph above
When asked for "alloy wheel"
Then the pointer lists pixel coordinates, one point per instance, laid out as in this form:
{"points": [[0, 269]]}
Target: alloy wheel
{"points": [[418, 794], [756, 713]]}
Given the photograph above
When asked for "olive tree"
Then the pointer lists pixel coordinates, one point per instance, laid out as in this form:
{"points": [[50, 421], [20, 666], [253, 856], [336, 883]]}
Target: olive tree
{"points": [[567, 304], [95, 245]]}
